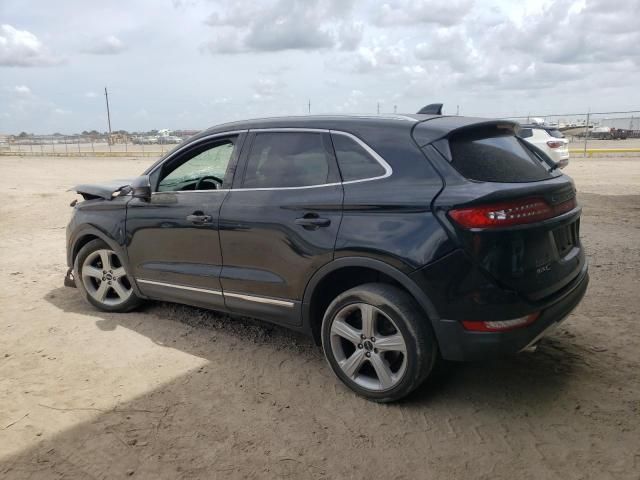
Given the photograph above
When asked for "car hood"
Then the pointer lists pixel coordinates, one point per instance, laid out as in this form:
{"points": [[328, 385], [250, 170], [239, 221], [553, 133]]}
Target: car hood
{"points": [[106, 190]]}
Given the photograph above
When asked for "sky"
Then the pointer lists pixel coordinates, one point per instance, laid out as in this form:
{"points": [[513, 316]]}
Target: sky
{"points": [[190, 64]]}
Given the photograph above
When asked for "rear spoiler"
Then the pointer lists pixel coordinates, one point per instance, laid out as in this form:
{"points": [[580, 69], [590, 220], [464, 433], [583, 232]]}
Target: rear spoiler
{"points": [[435, 128], [431, 109]]}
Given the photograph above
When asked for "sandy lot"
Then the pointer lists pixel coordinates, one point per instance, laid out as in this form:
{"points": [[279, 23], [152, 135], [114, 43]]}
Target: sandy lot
{"points": [[178, 392]]}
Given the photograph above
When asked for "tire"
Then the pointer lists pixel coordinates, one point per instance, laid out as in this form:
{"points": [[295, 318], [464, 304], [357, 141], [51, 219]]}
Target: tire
{"points": [[108, 289], [386, 368]]}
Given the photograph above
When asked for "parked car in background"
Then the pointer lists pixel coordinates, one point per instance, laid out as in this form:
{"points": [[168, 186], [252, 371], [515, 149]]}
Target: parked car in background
{"points": [[169, 139], [147, 140], [395, 242], [548, 139]]}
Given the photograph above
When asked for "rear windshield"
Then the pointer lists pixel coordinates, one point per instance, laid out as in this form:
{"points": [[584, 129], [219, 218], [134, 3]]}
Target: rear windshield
{"points": [[495, 155], [554, 132]]}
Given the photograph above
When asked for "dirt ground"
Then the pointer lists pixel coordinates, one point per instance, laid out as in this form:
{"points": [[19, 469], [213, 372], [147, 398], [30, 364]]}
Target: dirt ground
{"points": [[177, 392]]}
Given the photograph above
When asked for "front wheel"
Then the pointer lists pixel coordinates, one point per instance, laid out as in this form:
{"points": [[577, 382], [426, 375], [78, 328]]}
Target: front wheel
{"points": [[377, 340], [101, 276]]}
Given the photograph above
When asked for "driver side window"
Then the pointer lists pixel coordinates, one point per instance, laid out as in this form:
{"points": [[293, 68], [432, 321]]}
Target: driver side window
{"points": [[205, 170]]}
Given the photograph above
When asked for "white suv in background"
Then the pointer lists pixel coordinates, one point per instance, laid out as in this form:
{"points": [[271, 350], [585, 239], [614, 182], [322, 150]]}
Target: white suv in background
{"points": [[548, 139]]}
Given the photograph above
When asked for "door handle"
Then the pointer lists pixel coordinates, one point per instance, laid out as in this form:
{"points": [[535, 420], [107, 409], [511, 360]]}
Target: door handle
{"points": [[199, 218], [311, 221]]}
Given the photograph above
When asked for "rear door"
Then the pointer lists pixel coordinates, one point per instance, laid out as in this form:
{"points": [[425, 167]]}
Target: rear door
{"points": [[279, 223], [516, 217], [173, 246]]}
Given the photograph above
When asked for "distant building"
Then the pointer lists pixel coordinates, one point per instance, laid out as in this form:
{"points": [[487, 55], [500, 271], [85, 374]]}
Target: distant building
{"points": [[629, 123]]}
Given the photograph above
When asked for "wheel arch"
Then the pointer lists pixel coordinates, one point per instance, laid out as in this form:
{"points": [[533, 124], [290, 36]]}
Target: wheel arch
{"points": [[86, 234], [322, 288]]}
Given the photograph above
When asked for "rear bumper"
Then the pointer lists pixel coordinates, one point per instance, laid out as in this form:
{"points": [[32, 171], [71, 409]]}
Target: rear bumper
{"points": [[459, 344]]}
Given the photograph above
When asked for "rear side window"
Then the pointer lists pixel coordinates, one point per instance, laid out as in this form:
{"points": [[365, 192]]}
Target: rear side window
{"points": [[495, 155], [287, 159], [525, 133], [554, 132], [354, 161]]}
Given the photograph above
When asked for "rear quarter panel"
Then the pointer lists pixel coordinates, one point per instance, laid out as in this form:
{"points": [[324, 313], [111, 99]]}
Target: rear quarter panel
{"points": [[390, 219]]}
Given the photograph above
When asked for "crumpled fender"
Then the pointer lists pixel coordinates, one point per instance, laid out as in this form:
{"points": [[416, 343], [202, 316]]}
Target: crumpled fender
{"points": [[106, 190]]}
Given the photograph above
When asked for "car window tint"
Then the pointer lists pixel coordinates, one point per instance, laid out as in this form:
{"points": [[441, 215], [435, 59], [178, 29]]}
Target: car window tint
{"points": [[286, 159], [213, 161], [492, 155], [526, 132], [354, 161], [554, 132]]}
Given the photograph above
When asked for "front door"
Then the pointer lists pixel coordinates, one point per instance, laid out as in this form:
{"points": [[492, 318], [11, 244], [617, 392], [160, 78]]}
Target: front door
{"points": [[279, 223], [173, 243]]}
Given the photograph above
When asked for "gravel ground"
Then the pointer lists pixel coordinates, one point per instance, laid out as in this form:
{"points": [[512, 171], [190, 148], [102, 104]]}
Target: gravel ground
{"points": [[178, 392]]}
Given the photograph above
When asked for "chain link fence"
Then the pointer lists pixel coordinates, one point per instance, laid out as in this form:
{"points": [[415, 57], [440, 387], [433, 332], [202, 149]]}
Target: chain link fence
{"points": [[589, 133], [89, 145], [594, 132]]}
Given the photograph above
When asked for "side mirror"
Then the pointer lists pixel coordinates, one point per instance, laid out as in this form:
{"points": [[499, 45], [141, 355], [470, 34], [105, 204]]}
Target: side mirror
{"points": [[141, 188]]}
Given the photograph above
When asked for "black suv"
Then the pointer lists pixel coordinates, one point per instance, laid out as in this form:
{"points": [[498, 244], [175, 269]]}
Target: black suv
{"points": [[393, 241]]}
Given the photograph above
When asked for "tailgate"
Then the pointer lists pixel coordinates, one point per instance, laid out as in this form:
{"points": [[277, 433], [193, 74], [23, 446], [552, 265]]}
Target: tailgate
{"points": [[517, 219]]}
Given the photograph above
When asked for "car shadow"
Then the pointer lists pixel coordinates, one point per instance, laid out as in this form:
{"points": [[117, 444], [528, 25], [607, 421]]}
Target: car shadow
{"points": [[266, 405], [545, 370]]}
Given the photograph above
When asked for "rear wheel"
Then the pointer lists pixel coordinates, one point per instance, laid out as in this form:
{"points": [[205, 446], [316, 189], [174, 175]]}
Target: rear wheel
{"points": [[378, 341], [101, 276]]}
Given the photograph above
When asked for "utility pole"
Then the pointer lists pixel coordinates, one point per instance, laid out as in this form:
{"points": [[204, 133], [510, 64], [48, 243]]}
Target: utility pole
{"points": [[106, 97], [309, 105], [395, 109], [378, 108], [586, 132], [457, 110]]}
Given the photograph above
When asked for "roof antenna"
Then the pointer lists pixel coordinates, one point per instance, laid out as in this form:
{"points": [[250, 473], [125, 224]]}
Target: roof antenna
{"points": [[431, 109]]}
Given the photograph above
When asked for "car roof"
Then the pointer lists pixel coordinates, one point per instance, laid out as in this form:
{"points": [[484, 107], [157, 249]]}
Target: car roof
{"points": [[375, 130], [539, 127], [321, 122], [436, 125]]}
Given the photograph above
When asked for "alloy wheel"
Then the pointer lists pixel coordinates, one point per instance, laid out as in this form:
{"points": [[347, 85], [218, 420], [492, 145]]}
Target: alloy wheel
{"points": [[368, 346], [105, 279]]}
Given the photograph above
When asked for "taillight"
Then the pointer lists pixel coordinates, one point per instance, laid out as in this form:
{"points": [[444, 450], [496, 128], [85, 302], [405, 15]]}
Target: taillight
{"points": [[507, 214], [555, 144], [500, 325]]}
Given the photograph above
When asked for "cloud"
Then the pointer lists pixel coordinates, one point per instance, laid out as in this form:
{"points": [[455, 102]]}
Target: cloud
{"points": [[267, 88], [413, 12], [593, 33], [491, 58], [382, 56], [21, 48], [353, 102], [280, 25], [110, 45], [584, 44], [22, 90], [449, 45], [350, 35]]}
